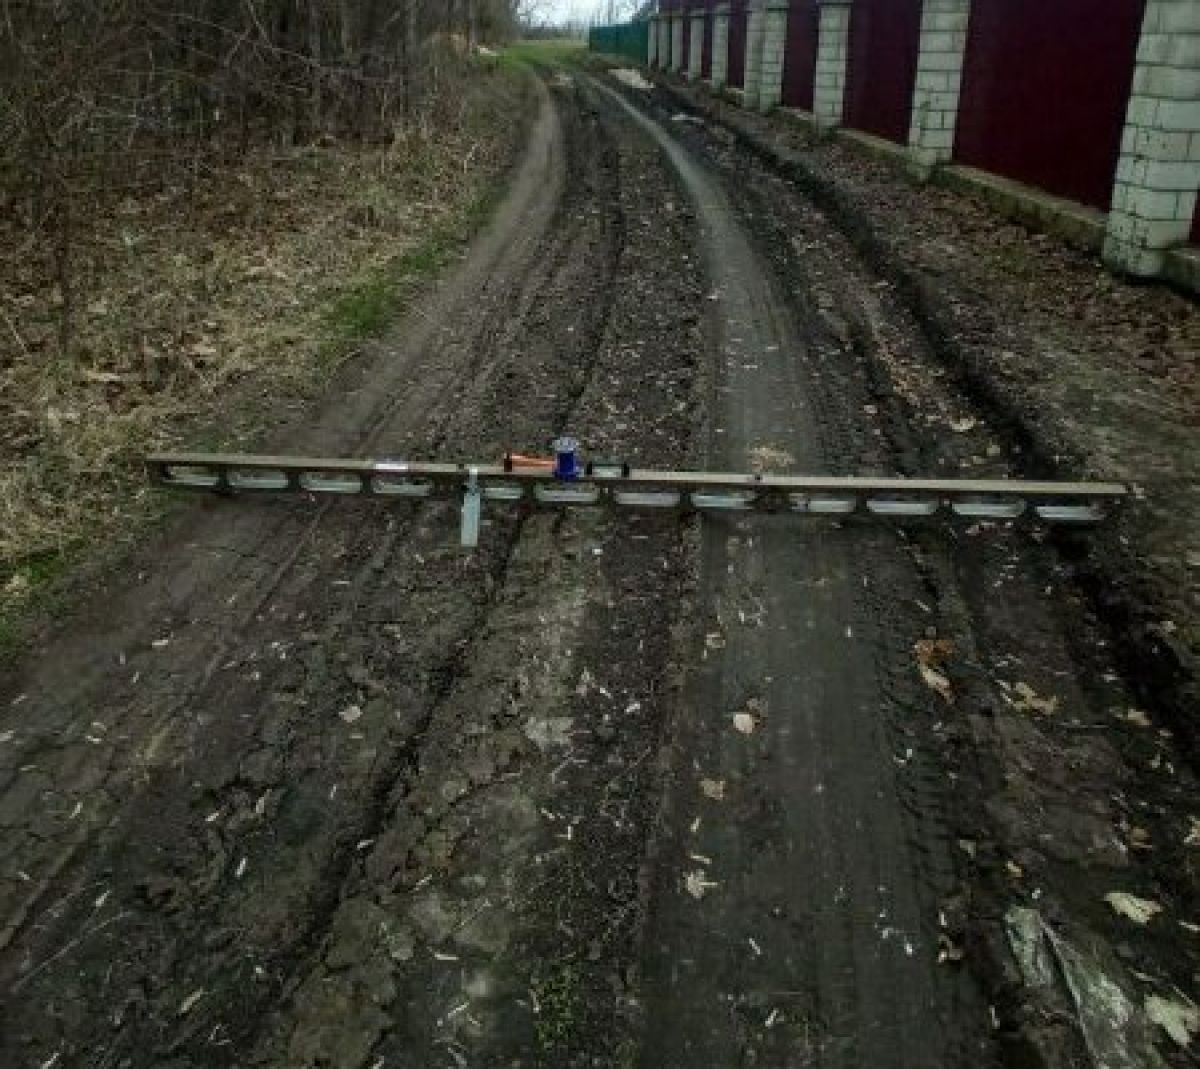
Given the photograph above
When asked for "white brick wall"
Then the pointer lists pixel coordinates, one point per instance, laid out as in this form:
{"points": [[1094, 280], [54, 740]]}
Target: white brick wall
{"points": [[833, 51], [720, 57], [696, 58], [939, 81], [1154, 197]]}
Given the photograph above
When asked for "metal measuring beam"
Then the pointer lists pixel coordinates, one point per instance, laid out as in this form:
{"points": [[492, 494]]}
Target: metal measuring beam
{"points": [[618, 485]]}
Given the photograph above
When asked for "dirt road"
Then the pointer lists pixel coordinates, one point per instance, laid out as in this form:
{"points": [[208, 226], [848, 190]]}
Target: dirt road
{"points": [[308, 786]]}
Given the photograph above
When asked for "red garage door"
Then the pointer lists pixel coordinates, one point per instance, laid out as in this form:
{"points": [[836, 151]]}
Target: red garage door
{"points": [[1044, 92], [884, 39], [737, 45], [800, 59]]}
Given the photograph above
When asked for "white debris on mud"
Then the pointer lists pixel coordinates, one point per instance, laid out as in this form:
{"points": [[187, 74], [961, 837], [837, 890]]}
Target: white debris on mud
{"points": [[631, 78]]}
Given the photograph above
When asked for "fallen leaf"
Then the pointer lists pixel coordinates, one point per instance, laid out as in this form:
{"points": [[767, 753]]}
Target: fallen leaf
{"points": [[714, 789], [1138, 718], [105, 378], [933, 652], [938, 682], [351, 713], [1178, 1019], [1030, 701], [1139, 839], [1138, 910], [744, 722], [769, 458], [949, 950], [961, 426], [698, 884], [1193, 836], [189, 1002]]}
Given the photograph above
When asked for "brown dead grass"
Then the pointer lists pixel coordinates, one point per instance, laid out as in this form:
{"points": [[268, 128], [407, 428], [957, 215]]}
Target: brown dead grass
{"points": [[192, 301]]}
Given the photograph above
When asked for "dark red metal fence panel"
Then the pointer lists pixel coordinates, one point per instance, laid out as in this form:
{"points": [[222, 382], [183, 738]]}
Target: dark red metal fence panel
{"points": [[800, 58], [706, 46], [736, 76], [1045, 87], [884, 39]]}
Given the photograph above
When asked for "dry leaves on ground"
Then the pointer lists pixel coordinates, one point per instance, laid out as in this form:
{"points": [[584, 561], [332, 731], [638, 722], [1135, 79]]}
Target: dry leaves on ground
{"points": [[1029, 701], [1180, 1020], [932, 653], [1138, 910], [698, 884]]}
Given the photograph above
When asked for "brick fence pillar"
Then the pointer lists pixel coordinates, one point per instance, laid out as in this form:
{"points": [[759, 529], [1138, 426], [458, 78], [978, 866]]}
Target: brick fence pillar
{"points": [[1154, 197], [652, 43], [720, 47], [755, 38], [696, 57], [833, 59], [774, 46], [678, 60], [939, 82]]}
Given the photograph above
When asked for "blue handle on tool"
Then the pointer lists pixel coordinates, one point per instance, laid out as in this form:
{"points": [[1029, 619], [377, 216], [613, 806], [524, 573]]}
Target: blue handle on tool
{"points": [[566, 460]]}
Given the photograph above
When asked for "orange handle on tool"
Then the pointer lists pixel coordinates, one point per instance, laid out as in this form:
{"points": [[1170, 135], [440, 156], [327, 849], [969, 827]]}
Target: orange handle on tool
{"points": [[520, 460]]}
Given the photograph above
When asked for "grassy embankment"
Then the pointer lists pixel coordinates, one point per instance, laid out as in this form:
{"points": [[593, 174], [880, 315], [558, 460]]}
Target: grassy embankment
{"points": [[200, 317]]}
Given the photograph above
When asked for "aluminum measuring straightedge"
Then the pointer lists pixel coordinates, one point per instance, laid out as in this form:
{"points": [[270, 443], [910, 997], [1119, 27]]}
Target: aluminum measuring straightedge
{"points": [[567, 481]]}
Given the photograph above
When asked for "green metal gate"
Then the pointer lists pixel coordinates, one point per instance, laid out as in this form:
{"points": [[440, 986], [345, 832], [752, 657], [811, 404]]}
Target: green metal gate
{"points": [[630, 39]]}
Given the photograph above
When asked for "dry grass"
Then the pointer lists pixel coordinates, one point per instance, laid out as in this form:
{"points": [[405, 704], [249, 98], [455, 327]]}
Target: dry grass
{"points": [[257, 281]]}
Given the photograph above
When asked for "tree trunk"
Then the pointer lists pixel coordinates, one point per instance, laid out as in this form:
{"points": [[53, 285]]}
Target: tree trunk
{"points": [[315, 56]]}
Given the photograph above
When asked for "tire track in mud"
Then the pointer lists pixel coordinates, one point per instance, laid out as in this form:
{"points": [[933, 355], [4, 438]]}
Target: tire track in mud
{"points": [[204, 581], [242, 785], [450, 874], [1056, 810], [1051, 832], [281, 845], [817, 883]]}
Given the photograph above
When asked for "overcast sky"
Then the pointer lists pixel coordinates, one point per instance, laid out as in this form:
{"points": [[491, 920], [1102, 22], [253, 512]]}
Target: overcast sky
{"points": [[560, 10]]}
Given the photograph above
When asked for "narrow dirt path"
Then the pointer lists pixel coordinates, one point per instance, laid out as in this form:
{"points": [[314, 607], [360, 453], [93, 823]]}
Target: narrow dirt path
{"points": [[816, 935]]}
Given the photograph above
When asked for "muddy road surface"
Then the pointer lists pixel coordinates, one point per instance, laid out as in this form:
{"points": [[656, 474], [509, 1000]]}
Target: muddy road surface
{"points": [[306, 785]]}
